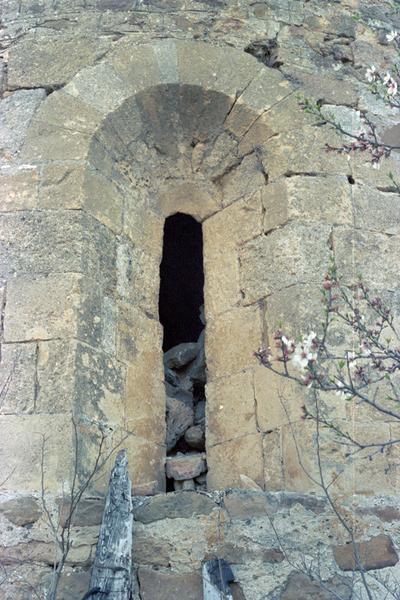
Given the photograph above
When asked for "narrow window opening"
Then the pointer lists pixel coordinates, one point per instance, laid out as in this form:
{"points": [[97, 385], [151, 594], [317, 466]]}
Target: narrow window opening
{"points": [[181, 310]]}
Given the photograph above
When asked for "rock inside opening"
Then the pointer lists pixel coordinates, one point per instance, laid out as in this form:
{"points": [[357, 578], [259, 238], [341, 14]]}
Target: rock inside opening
{"points": [[181, 310]]}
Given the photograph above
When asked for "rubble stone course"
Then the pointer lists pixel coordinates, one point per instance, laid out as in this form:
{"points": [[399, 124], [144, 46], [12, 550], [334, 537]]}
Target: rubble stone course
{"points": [[115, 115]]}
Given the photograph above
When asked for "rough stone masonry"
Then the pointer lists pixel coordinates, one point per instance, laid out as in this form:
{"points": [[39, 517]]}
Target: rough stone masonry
{"points": [[115, 115]]}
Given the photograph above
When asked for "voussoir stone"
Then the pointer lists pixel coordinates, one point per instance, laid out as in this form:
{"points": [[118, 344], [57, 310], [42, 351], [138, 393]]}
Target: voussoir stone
{"points": [[185, 466], [174, 505], [377, 553]]}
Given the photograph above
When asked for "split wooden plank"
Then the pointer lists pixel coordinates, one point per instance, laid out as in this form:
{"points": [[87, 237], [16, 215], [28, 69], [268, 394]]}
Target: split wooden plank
{"points": [[111, 573], [217, 575]]}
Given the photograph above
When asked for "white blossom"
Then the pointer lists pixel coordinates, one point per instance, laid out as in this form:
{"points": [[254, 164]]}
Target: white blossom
{"points": [[303, 352], [392, 88], [370, 73], [392, 35]]}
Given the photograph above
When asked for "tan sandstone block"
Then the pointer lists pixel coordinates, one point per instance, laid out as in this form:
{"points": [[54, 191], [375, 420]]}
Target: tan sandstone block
{"points": [[221, 273], [137, 65], [231, 340], [273, 467], [297, 253], [100, 86], [103, 200], [227, 461], [371, 255], [145, 397], [61, 186], [189, 197], [20, 453], [245, 178], [19, 189], [64, 111], [211, 71], [236, 223], [273, 395], [303, 151], [136, 332], [230, 408], [266, 89], [326, 199], [375, 210], [46, 141], [138, 275], [146, 462], [41, 308], [299, 457], [17, 375], [223, 232], [296, 310], [55, 376]]}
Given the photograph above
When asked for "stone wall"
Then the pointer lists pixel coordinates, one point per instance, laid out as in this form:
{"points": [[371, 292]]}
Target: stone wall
{"points": [[174, 533], [115, 115]]}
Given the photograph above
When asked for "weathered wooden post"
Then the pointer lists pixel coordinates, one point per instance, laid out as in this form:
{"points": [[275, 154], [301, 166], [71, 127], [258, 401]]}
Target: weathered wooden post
{"points": [[111, 573], [217, 575]]}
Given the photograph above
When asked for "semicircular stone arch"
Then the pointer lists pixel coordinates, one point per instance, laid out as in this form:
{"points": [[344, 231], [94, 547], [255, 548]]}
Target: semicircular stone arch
{"points": [[148, 132]]}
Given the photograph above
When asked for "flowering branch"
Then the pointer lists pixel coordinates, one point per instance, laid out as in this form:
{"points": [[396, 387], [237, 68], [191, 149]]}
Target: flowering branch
{"points": [[366, 374]]}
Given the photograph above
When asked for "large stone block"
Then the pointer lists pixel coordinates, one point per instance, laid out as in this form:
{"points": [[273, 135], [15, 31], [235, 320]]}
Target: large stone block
{"points": [[231, 340], [138, 274], [376, 553], [136, 333], [42, 307], [56, 58], [227, 461], [55, 376], [211, 72], [304, 151], [18, 378], [245, 178], [375, 210], [230, 408], [175, 505], [363, 171], [296, 253], [371, 255], [67, 112], [278, 400], [196, 199], [299, 584], [103, 200], [221, 272], [146, 463], [41, 242], [296, 310], [273, 462], [236, 223], [265, 90], [47, 142], [21, 450], [99, 387], [19, 189], [159, 585], [17, 111], [326, 199], [138, 65], [100, 87], [145, 396], [61, 186]]}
